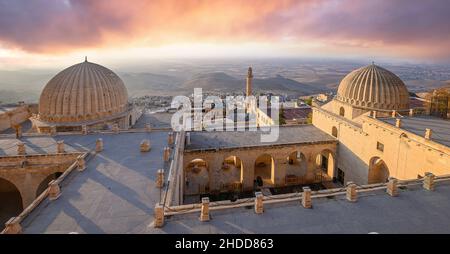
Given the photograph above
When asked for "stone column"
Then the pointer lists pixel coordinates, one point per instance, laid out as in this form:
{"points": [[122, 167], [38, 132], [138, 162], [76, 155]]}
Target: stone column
{"points": [[392, 187], [306, 197], [60, 146], [158, 221], [394, 113], [145, 145], [18, 132], [259, 208], [160, 178], [374, 114], [81, 163], [411, 112], [428, 181], [428, 133], [148, 127], [13, 227], [53, 131], [204, 215], [84, 129], [21, 150], [54, 191], [166, 154], [352, 195], [99, 145], [115, 128], [170, 139]]}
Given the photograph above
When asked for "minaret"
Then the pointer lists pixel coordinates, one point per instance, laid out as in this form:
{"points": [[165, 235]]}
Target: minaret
{"points": [[249, 81]]}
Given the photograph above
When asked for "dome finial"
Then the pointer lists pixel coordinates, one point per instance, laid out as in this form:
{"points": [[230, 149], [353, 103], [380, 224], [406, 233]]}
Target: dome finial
{"points": [[373, 62]]}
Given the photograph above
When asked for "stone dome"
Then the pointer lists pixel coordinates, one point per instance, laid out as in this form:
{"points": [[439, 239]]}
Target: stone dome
{"points": [[373, 87], [83, 92]]}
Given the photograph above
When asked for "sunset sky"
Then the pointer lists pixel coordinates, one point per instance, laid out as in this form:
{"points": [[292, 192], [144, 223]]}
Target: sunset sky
{"points": [[58, 32]]}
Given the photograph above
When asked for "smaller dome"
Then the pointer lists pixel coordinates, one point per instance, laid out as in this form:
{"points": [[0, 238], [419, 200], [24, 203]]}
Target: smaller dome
{"points": [[373, 87], [83, 92]]}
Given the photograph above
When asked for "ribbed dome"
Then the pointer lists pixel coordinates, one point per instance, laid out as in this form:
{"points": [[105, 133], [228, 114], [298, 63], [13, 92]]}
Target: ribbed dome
{"points": [[82, 92], [373, 87]]}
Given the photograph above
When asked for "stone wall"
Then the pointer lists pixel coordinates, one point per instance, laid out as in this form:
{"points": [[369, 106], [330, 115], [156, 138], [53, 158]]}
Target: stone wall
{"points": [[28, 172], [14, 117], [406, 155], [215, 164]]}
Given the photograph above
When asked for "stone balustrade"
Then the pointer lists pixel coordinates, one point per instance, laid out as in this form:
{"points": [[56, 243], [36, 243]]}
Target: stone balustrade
{"points": [[204, 215], [259, 208]]}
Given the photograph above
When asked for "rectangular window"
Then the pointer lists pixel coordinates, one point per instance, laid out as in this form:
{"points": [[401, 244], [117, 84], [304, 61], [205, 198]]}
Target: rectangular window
{"points": [[380, 147], [340, 176]]}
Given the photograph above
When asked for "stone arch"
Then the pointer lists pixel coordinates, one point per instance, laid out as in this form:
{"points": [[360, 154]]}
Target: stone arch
{"points": [[230, 175], [10, 201], [44, 183], [325, 160], [264, 168], [342, 111], [196, 176], [297, 167], [334, 132], [378, 171]]}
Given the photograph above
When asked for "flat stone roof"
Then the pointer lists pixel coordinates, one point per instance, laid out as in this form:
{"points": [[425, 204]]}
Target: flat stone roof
{"points": [[414, 211], [116, 193], [287, 135], [418, 124]]}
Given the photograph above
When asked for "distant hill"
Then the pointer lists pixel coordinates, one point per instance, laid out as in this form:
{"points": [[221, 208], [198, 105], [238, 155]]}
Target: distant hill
{"points": [[220, 81]]}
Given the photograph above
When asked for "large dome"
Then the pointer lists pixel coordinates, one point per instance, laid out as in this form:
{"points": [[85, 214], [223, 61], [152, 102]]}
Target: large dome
{"points": [[373, 87], [83, 92]]}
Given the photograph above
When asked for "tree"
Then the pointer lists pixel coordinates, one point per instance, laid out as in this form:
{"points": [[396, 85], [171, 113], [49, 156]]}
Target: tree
{"points": [[309, 101], [309, 119]]}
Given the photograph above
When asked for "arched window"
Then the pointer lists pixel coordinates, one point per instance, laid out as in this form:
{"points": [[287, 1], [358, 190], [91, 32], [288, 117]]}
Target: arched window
{"points": [[378, 171], [342, 111], [10, 201], [196, 177], [334, 132], [264, 170], [296, 168]]}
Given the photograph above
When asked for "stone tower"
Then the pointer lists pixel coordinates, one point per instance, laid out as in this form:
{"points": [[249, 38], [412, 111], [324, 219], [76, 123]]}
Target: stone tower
{"points": [[249, 81]]}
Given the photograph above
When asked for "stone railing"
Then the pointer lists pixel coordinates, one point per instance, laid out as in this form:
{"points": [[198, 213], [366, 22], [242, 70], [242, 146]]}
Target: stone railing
{"points": [[13, 226], [351, 191], [132, 130], [172, 191]]}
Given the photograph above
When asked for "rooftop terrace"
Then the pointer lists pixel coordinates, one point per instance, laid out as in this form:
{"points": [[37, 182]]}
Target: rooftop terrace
{"points": [[418, 124], [116, 192]]}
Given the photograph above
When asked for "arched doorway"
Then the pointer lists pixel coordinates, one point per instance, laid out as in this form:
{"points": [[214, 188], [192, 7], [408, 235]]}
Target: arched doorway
{"points": [[196, 177], [296, 168], [231, 174], [10, 201], [334, 131], [378, 171], [342, 111], [325, 162], [264, 170], [44, 184]]}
